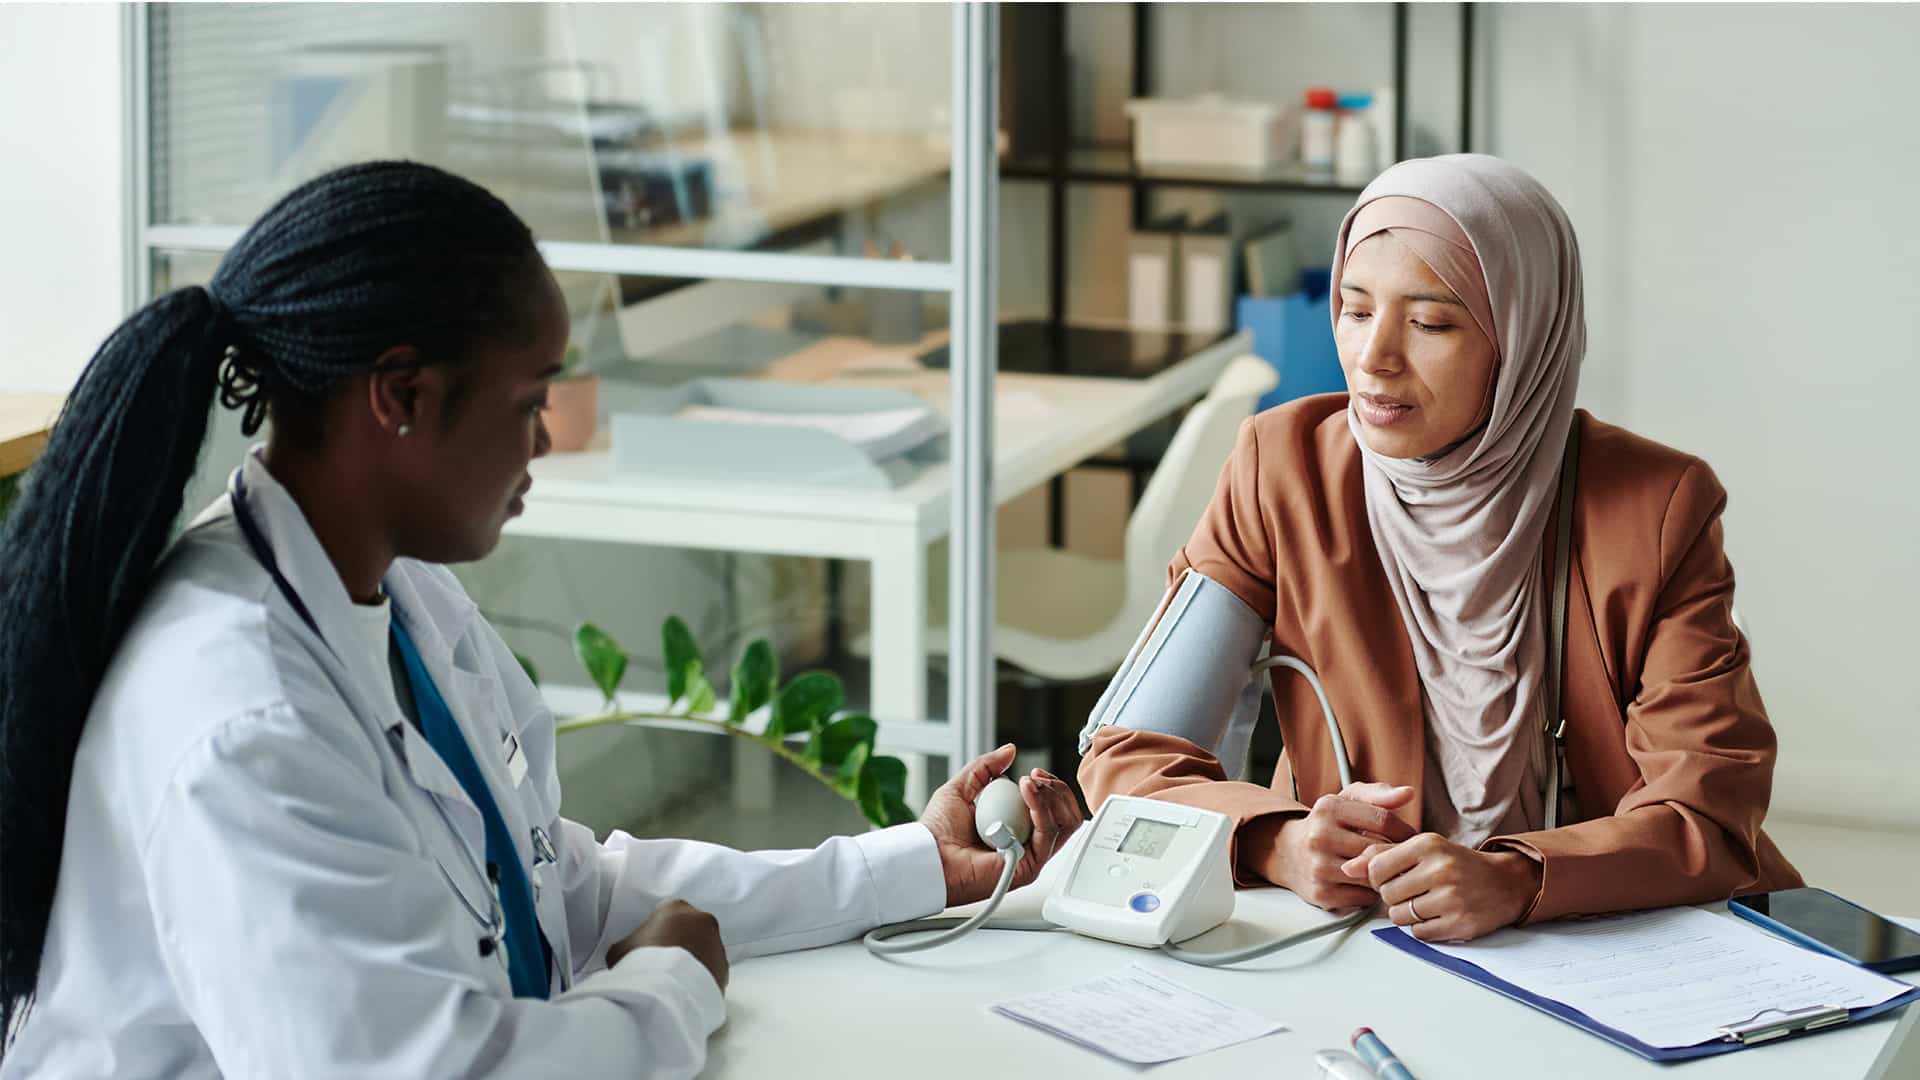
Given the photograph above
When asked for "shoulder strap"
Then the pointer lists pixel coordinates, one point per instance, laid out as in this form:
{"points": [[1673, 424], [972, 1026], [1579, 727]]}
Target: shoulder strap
{"points": [[1555, 715]]}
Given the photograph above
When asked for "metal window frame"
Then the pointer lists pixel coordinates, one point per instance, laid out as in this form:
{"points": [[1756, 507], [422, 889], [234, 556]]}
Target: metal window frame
{"points": [[968, 279]]}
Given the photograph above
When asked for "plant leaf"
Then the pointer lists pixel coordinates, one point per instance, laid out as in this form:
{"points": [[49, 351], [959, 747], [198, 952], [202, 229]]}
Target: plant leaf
{"points": [[681, 657], [834, 744], [700, 695], [526, 665], [752, 682], [601, 656], [898, 812], [883, 781], [849, 779], [890, 773], [805, 704]]}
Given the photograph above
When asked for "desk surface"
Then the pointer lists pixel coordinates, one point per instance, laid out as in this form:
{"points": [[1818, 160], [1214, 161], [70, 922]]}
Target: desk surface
{"points": [[790, 177], [25, 420], [841, 1012]]}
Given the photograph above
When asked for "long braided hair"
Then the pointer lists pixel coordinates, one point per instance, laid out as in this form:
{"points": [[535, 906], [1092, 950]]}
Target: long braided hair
{"points": [[342, 269]]}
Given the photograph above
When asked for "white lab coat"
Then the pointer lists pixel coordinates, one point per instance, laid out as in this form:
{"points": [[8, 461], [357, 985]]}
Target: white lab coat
{"points": [[256, 881]]}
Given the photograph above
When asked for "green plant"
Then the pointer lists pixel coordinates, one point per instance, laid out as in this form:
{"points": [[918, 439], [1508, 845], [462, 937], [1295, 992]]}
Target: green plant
{"points": [[805, 723]]}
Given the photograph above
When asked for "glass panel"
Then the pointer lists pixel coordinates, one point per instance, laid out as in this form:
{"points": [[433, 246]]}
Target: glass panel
{"points": [[678, 496], [752, 459], [731, 126]]}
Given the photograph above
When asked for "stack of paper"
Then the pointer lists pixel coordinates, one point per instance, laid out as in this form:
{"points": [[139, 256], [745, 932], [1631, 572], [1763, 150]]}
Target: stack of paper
{"points": [[880, 434]]}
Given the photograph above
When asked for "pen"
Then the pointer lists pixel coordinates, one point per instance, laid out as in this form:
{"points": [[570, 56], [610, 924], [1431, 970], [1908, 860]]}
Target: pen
{"points": [[1378, 1057]]}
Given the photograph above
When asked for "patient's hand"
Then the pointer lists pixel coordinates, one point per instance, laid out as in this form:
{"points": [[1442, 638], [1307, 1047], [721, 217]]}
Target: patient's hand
{"points": [[1441, 891], [1311, 852]]}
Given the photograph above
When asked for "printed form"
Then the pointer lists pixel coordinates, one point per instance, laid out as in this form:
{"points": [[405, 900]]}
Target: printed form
{"points": [[1139, 1016], [1672, 978]]}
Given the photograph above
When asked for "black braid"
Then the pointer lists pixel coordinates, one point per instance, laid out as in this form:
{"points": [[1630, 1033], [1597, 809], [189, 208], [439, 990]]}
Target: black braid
{"points": [[342, 269]]}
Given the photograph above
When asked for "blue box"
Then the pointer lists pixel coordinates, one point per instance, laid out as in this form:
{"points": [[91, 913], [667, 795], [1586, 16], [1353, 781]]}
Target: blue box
{"points": [[1294, 333]]}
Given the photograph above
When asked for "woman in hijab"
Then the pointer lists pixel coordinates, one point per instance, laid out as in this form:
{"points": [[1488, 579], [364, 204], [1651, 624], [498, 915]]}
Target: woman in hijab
{"points": [[1400, 539]]}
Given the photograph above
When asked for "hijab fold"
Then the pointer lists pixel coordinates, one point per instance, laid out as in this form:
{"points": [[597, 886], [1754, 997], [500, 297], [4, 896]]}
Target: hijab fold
{"points": [[1460, 534]]}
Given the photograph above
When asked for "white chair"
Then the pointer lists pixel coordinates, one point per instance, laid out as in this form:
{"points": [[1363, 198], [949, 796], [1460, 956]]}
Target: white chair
{"points": [[1067, 617]]}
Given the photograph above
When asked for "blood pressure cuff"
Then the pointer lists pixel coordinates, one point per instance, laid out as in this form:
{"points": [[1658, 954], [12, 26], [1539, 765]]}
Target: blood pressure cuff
{"points": [[1189, 673]]}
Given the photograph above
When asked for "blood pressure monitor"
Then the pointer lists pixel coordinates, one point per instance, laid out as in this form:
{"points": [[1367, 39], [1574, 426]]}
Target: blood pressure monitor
{"points": [[1147, 873]]}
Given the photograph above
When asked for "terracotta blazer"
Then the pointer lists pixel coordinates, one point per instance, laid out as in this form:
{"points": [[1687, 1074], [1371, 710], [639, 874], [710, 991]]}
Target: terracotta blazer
{"points": [[1669, 747]]}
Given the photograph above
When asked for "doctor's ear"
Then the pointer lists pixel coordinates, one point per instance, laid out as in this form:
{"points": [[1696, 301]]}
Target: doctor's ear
{"points": [[395, 390]]}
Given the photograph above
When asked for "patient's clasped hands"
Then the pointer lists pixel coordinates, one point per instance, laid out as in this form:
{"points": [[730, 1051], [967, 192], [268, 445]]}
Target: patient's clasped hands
{"points": [[1350, 851]]}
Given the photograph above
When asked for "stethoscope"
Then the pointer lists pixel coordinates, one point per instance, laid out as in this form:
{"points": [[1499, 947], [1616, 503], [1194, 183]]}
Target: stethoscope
{"points": [[493, 921]]}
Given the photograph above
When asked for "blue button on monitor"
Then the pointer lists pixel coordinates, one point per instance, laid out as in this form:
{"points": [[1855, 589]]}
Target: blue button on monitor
{"points": [[1144, 903]]}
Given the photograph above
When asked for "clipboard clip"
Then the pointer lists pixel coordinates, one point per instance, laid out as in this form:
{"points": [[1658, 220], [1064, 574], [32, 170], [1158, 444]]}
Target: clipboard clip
{"points": [[1754, 1029]]}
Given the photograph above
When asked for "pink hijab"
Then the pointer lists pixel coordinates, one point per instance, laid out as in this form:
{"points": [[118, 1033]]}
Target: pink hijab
{"points": [[1460, 534]]}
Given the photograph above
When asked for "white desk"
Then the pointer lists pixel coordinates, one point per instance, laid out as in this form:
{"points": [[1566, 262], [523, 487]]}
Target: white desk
{"points": [[841, 1013], [577, 496]]}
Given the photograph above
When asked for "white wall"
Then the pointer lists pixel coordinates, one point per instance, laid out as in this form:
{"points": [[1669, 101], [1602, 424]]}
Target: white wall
{"points": [[60, 136], [1741, 178]]}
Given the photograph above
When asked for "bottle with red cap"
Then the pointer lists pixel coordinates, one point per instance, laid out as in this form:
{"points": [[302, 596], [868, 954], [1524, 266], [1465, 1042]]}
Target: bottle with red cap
{"points": [[1317, 126]]}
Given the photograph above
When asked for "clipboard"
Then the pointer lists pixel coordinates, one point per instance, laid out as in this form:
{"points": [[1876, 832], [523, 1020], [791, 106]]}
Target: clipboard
{"points": [[1738, 1034]]}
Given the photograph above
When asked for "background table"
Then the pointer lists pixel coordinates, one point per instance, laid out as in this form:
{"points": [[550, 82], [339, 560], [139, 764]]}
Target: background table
{"points": [[579, 496]]}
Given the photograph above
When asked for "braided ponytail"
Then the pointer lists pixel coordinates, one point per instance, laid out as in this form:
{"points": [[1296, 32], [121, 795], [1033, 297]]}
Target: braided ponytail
{"points": [[343, 268]]}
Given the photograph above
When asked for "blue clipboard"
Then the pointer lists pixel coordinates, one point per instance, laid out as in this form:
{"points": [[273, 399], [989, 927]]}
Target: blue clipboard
{"points": [[1407, 943]]}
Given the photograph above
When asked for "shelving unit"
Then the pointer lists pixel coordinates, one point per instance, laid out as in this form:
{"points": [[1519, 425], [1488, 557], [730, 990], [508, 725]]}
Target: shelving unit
{"points": [[1066, 164]]}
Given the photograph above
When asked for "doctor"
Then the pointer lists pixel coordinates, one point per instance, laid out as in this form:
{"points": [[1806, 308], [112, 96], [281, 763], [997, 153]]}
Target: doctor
{"points": [[276, 800]]}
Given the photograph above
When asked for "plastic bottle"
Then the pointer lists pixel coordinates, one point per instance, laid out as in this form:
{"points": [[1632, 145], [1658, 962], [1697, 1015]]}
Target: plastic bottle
{"points": [[1317, 129], [1353, 150]]}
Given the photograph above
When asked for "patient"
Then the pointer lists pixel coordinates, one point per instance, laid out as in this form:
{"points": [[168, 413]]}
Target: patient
{"points": [[1399, 539]]}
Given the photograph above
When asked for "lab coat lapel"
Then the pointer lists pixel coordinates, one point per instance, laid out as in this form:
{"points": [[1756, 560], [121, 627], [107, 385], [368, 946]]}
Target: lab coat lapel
{"points": [[305, 565], [440, 621]]}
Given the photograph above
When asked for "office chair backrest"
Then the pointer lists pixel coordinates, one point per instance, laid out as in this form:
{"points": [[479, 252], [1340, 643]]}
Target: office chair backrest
{"points": [[1184, 481]]}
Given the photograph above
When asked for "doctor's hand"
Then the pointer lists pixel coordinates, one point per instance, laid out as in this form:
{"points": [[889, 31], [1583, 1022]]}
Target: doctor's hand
{"points": [[971, 867], [677, 924], [1313, 851], [1441, 891]]}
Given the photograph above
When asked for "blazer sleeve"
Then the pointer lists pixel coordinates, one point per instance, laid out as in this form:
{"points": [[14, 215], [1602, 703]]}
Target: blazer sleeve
{"points": [[1688, 831], [1233, 545]]}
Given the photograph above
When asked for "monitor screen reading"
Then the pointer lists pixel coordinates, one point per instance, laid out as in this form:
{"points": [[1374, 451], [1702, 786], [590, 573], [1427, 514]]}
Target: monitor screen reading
{"points": [[1148, 838]]}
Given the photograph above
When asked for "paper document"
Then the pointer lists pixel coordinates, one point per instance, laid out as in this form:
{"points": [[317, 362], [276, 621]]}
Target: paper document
{"points": [[880, 433], [1138, 1016], [1671, 978]]}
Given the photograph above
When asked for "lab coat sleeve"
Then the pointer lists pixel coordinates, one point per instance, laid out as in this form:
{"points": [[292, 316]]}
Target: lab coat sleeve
{"points": [[765, 901], [1689, 832], [309, 935]]}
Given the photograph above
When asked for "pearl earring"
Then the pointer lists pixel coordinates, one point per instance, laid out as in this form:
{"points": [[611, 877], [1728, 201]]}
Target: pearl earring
{"points": [[406, 430]]}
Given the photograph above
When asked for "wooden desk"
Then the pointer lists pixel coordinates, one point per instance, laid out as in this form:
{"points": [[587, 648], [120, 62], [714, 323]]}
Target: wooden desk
{"points": [[25, 421]]}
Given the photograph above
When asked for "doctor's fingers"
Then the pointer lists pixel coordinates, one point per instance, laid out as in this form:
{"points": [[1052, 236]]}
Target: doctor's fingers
{"points": [[970, 781]]}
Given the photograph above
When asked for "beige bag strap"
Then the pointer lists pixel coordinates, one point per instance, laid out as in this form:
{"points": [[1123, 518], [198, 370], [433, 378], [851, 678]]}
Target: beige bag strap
{"points": [[1555, 733]]}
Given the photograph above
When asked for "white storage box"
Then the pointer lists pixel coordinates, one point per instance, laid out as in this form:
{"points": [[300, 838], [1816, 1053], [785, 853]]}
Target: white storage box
{"points": [[1207, 132]]}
